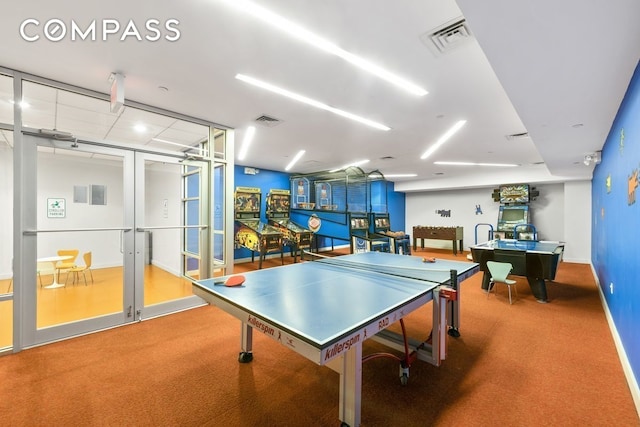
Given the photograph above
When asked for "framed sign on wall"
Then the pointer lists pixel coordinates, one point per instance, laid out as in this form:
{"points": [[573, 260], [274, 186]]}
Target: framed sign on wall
{"points": [[56, 208]]}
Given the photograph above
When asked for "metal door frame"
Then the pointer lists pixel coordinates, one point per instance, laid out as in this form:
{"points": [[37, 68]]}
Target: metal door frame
{"points": [[25, 261]]}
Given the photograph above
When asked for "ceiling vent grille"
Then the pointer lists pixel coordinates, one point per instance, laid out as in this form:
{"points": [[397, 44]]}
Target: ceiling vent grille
{"points": [[268, 121], [448, 36], [513, 136]]}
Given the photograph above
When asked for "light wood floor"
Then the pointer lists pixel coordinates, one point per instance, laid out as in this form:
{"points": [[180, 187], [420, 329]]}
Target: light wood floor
{"points": [[104, 296]]}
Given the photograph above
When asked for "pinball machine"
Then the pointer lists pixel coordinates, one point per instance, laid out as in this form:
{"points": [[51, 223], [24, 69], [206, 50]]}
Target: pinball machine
{"points": [[400, 242], [296, 237], [250, 232]]}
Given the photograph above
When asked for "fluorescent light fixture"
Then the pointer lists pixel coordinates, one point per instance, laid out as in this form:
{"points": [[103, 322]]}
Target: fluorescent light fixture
{"points": [[164, 141], [448, 134], [295, 160], [497, 165], [400, 175], [301, 33], [309, 101], [246, 142], [358, 163], [23, 104]]}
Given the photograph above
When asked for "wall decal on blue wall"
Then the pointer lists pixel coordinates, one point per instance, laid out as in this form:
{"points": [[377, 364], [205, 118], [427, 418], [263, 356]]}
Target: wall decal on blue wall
{"points": [[615, 229], [631, 189], [608, 183], [478, 210]]}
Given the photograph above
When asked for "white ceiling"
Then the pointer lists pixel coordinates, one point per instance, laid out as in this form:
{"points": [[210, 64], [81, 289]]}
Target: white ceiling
{"points": [[555, 69]]}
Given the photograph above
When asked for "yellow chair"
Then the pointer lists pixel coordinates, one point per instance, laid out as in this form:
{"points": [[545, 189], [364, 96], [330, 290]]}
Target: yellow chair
{"points": [[82, 269], [67, 263], [39, 279]]}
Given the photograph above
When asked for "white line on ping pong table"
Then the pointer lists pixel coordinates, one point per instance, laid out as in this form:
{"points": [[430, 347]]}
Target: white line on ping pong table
{"points": [[396, 270]]}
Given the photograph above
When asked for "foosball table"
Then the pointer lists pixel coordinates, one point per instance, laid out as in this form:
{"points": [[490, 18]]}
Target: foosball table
{"points": [[454, 234]]}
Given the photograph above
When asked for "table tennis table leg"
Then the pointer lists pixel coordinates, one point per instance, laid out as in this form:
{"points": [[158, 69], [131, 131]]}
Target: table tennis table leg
{"points": [[454, 307], [246, 344], [351, 386]]}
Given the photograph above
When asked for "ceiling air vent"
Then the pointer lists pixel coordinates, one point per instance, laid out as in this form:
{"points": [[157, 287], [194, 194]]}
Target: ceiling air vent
{"points": [[447, 36], [268, 121], [514, 136]]}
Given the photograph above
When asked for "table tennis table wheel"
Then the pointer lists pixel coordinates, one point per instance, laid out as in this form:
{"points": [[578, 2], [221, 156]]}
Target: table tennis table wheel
{"points": [[245, 357], [454, 332], [404, 374]]}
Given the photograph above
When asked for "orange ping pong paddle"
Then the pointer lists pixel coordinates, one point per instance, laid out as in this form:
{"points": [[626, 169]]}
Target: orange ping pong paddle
{"points": [[231, 281], [428, 260]]}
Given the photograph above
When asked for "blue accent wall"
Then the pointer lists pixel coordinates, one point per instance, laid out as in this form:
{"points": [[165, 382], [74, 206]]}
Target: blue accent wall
{"points": [[334, 224], [616, 222]]}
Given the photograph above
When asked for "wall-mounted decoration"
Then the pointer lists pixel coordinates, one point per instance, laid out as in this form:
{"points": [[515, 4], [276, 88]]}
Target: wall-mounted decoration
{"points": [[478, 210], [632, 186], [79, 194], [444, 213], [516, 193], [621, 146], [56, 208], [314, 223], [98, 194], [608, 183]]}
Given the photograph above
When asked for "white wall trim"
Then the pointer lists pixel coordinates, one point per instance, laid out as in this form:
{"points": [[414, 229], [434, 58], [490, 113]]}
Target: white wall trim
{"points": [[624, 361]]}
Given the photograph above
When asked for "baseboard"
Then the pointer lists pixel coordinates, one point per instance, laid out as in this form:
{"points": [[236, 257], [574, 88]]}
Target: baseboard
{"points": [[624, 361], [576, 260]]}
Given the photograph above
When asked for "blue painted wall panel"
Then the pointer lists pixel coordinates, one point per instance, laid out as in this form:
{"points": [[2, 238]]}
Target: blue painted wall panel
{"points": [[333, 224], [616, 222]]}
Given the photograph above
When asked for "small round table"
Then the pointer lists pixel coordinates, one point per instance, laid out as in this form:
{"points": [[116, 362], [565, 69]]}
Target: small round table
{"points": [[54, 260]]}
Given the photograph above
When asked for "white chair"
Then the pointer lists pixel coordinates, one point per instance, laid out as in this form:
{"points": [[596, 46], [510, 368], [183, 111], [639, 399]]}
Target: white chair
{"points": [[499, 272]]}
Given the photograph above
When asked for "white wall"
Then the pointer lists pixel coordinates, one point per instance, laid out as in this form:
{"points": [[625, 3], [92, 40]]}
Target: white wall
{"points": [[577, 221], [162, 182], [57, 175], [559, 213]]}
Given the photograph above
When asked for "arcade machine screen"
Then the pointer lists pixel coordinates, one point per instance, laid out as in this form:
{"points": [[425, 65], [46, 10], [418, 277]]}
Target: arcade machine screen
{"points": [[510, 216]]}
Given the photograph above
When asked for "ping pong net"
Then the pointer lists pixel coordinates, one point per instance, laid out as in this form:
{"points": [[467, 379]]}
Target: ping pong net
{"points": [[432, 275]]}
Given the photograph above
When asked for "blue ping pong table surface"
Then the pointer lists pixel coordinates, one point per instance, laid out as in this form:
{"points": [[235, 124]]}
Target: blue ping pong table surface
{"points": [[320, 302]]}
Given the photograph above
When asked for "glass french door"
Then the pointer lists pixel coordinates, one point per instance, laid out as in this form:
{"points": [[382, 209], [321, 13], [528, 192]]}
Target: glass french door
{"points": [[171, 225], [112, 238]]}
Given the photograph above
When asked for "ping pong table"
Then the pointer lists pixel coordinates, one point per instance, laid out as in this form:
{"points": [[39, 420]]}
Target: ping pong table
{"points": [[325, 310]]}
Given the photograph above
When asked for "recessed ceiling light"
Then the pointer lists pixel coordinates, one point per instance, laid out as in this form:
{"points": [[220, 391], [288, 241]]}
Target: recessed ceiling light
{"points": [[295, 159], [498, 165], [140, 128], [400, 175], [358, 163], [177, 144], [309, 101], [301, 33], [246, 142], [444, 138], [23, 104]]}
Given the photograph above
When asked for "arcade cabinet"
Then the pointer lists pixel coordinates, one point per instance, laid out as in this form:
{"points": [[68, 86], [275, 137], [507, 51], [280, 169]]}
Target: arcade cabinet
{"points": [[250, 232], [278, 212], [514, 216], [381, 225], [361, 239]]}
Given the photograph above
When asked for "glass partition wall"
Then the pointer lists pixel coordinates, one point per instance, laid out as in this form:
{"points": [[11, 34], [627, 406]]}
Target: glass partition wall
{"points": [[6, 199], [120, 211]]}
